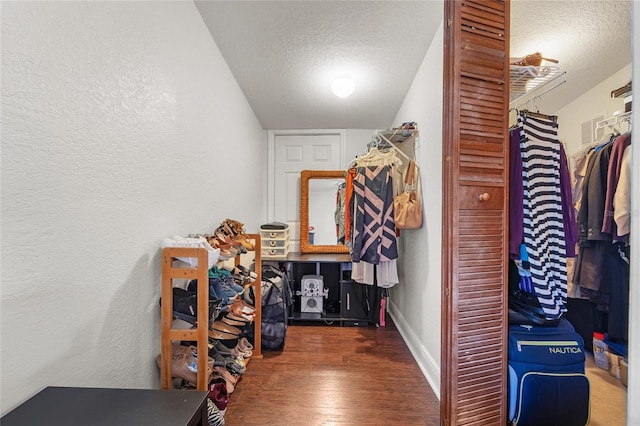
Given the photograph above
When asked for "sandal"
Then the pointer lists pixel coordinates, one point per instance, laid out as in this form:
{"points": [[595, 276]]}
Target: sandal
{"points": [[535, 59], [228, 382], [227, 339], [236, 323], [225, 328]]}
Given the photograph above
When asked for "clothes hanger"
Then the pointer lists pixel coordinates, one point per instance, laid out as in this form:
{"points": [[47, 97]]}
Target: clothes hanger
{"points": [[375, 157], [526, 113]]}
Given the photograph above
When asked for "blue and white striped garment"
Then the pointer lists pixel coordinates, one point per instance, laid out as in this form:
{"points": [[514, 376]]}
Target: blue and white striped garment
{"points": [[543, 219]]}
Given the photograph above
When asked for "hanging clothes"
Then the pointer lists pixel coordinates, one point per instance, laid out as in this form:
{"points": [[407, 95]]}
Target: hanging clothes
{"points": [[543, 228], [613, 175], [516, 197], [622, 196], [602, 266], [374, 238]]}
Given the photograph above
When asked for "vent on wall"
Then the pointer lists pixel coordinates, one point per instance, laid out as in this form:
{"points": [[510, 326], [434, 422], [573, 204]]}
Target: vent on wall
{"points": [[589, 135]]}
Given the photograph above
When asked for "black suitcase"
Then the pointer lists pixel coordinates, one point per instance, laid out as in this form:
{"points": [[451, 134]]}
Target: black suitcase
{"points": [[546, 383]]}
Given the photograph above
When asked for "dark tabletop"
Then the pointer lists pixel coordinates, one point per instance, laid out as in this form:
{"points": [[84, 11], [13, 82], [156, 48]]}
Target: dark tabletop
{"points": [[70, 406]]}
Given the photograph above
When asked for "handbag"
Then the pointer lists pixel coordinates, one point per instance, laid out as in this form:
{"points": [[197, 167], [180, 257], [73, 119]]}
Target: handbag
{"points": [[407, 206]]}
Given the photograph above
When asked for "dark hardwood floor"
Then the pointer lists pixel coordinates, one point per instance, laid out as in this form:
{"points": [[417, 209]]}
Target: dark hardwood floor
{"points": [[332, 375]]}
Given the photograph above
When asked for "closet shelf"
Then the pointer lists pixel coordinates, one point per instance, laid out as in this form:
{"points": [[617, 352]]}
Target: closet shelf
{"points": [[527, 80], [613, 122], [398, 135]]}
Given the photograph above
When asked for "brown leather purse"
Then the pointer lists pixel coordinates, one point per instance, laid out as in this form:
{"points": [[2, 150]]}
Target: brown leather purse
{"points": [[407, 206]]}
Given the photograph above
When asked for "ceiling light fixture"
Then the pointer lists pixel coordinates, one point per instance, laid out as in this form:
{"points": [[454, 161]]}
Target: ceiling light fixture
{"points": [[343, 86]]}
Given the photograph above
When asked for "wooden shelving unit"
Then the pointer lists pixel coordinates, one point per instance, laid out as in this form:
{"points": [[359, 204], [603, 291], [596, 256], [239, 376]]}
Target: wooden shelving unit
{"points": [[200, 333]]}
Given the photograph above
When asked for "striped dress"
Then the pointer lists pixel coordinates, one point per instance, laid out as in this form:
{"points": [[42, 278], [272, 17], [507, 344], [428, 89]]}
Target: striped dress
{"points": [[544, 237]]}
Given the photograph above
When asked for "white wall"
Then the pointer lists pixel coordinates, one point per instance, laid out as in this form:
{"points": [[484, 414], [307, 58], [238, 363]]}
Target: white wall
{"points": [[356, 143], [415, 301], [117, 123], [596, 102]]}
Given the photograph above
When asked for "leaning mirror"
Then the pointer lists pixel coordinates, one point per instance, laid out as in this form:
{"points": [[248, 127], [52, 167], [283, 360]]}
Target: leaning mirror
{"points": [[318, 191]]}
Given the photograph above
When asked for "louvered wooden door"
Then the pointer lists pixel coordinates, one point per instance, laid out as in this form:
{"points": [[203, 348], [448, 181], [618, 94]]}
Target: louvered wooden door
{"points": [[475, 180]]}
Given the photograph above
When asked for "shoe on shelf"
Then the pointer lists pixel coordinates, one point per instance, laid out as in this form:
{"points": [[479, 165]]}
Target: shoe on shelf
{"points": [[235, 365], [225, 328], [227, 277], [236, 323], [224, 251], [214, 416], [247, 319], [185, 306], [227, 339], [241, 309], [237, 228], [218, 347], [182, 364], [193, 242], [244, 306], [244, 347], [215, 302], [230, 379], [218, 393], [223, 289]]}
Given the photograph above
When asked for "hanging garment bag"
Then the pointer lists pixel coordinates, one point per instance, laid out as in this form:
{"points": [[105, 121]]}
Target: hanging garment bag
{"points": [[546, 384]]}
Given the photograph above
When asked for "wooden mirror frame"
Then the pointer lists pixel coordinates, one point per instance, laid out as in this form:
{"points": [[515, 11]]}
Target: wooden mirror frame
{"points": [[305, 247]]}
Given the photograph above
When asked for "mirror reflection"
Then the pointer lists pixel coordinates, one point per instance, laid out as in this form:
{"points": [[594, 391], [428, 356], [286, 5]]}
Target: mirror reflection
{"points": [[322, 211]]}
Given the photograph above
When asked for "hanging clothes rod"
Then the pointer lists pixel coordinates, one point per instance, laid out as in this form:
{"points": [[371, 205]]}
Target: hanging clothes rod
{"points": [[612, 121], [531, 100]]}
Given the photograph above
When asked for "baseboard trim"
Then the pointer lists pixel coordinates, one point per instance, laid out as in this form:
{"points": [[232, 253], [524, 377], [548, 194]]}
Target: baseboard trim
{"points": [[426, 362]]}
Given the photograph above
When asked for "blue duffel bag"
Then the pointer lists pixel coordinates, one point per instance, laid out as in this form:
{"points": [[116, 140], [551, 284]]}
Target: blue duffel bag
{"points": [[546, 384]]}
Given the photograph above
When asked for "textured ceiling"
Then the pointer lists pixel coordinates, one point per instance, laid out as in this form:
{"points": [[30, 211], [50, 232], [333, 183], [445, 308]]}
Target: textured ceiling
{"points": [[590, 39], [284, 54]]}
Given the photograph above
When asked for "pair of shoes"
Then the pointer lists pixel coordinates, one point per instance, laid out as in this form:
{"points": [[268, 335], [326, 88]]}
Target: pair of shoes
{"points": [[234, 365], [225, 328], [185, 305], [241, 309], [216, 303], [227, 339], [535, 59], [225, 276], [238, 351], [222, 295], [235, 231], [244, 271], [227, 239], [224, 288], [226, 251], [213, 254], [236, 323], [230, 379], [214, 416], [245, 348], [218, 394], [184, 363], [247, 319]]}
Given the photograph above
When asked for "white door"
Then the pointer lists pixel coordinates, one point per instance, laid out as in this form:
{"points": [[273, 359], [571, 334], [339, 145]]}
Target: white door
{"points": [[294, 151]]}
